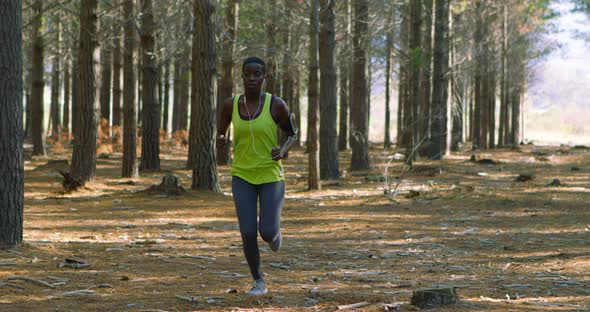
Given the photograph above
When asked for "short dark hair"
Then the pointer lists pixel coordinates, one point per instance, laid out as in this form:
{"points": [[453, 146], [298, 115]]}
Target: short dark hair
{"points": [[255, 60]]}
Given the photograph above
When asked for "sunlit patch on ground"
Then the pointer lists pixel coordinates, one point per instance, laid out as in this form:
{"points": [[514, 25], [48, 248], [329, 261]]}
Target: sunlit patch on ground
{"points": [[508, 245]]}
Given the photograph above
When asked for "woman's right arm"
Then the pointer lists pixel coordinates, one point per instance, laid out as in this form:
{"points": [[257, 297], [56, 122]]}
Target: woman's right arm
{"points": [[224, 121]]}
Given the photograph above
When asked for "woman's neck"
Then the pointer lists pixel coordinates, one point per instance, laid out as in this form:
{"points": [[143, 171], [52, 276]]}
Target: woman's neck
{"points": [[253, 96]]}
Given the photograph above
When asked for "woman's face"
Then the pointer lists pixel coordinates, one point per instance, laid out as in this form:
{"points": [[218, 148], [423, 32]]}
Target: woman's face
{"points": [[253, 77]]}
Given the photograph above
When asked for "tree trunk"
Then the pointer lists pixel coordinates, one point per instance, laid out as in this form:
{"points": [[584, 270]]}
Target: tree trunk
{"points": [[176, 96], [67, 95], [328, 93], [166, 97], [503, 128], [313, 178], [438, 83], [406, 131], [75, 89], [56, 79], [492, 110], [271, 64], [227, 64], [129, 168], [416, 54], [150, 141], [11, 127], [84, 152], [345, 73], [184, 94], [388, 72], [117, 65], [105, 77], [360, 138], [204, 89], [425, 102], [38, 83]]}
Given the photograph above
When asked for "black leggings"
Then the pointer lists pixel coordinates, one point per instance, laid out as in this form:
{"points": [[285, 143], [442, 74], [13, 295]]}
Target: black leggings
{"points": [[246, 197]]}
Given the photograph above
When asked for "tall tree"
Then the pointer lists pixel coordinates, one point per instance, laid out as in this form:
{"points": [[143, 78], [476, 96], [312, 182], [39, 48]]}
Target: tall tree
{"points": [[388, 72], [359, 140], [166, 96], [67, 94], [129, 168], [106, 63], [227, 64], [150, 142], [55, 78], [37, 110], [271, 53], [313, 109], [405, 108], [84, 153], [439, 100], [117, 65], [416, 59], [344, 76], [328, 93], [425, 101], [11, 127], [204, 78]]}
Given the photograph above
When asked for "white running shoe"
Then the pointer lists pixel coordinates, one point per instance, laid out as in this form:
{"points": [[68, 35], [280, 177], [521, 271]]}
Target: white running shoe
{"points": [[275, 245], [258, 289]]}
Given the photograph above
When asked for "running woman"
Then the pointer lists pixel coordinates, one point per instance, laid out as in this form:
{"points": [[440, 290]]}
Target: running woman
{"points": [[257, 171]]}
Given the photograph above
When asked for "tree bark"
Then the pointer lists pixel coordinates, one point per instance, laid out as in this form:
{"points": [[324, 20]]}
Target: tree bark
{"points": [[328, 93], [425, 102], [438, 83], [359, 141], [117, 65], [37, 109], [416, 55], [129, 168], [75, 73], [56, 79], [313, 178], [204, 79], [67, 95], [84, 152], [227, 64], [344, 48], [106, 61], [271, 64], [166, 97], [388, 72], [406, 125], [150, 142], [11, 127]]}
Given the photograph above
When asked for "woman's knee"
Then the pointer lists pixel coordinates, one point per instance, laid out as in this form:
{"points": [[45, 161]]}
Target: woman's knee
{"points": [[249, 236], [268, 234]]}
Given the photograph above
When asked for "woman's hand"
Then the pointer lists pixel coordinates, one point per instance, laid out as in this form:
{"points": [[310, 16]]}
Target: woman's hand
{"points": [[276, 153], [221, 141]]}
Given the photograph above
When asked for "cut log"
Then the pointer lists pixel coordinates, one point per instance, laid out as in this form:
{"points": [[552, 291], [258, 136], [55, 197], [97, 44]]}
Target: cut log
{"points": [[525, 177], [169, 186], [70, 183], [430, 297]]}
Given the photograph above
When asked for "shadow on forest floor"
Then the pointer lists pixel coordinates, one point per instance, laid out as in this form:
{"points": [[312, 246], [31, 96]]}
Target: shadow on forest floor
{"points": [[509, 245]]}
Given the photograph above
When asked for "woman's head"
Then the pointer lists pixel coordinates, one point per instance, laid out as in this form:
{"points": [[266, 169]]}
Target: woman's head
{"points": [[253, 73]]}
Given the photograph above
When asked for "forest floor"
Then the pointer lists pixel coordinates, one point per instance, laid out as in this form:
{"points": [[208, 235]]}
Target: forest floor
{"points": [[506, 245]]}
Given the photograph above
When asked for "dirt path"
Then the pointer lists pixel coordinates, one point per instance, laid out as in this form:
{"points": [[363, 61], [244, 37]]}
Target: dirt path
{"points": [[509, 246]]}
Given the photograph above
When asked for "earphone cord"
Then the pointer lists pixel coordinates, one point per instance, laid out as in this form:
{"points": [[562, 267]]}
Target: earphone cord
{"points": [[251, 121]]}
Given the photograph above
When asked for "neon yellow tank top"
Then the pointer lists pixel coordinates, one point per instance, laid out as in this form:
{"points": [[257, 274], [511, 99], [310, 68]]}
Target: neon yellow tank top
{"points": [[252, 158]]}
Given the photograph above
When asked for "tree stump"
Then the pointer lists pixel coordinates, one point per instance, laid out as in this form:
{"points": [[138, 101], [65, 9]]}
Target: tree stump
{"points": [[430, 297], [70, 183], [169, 186]]}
